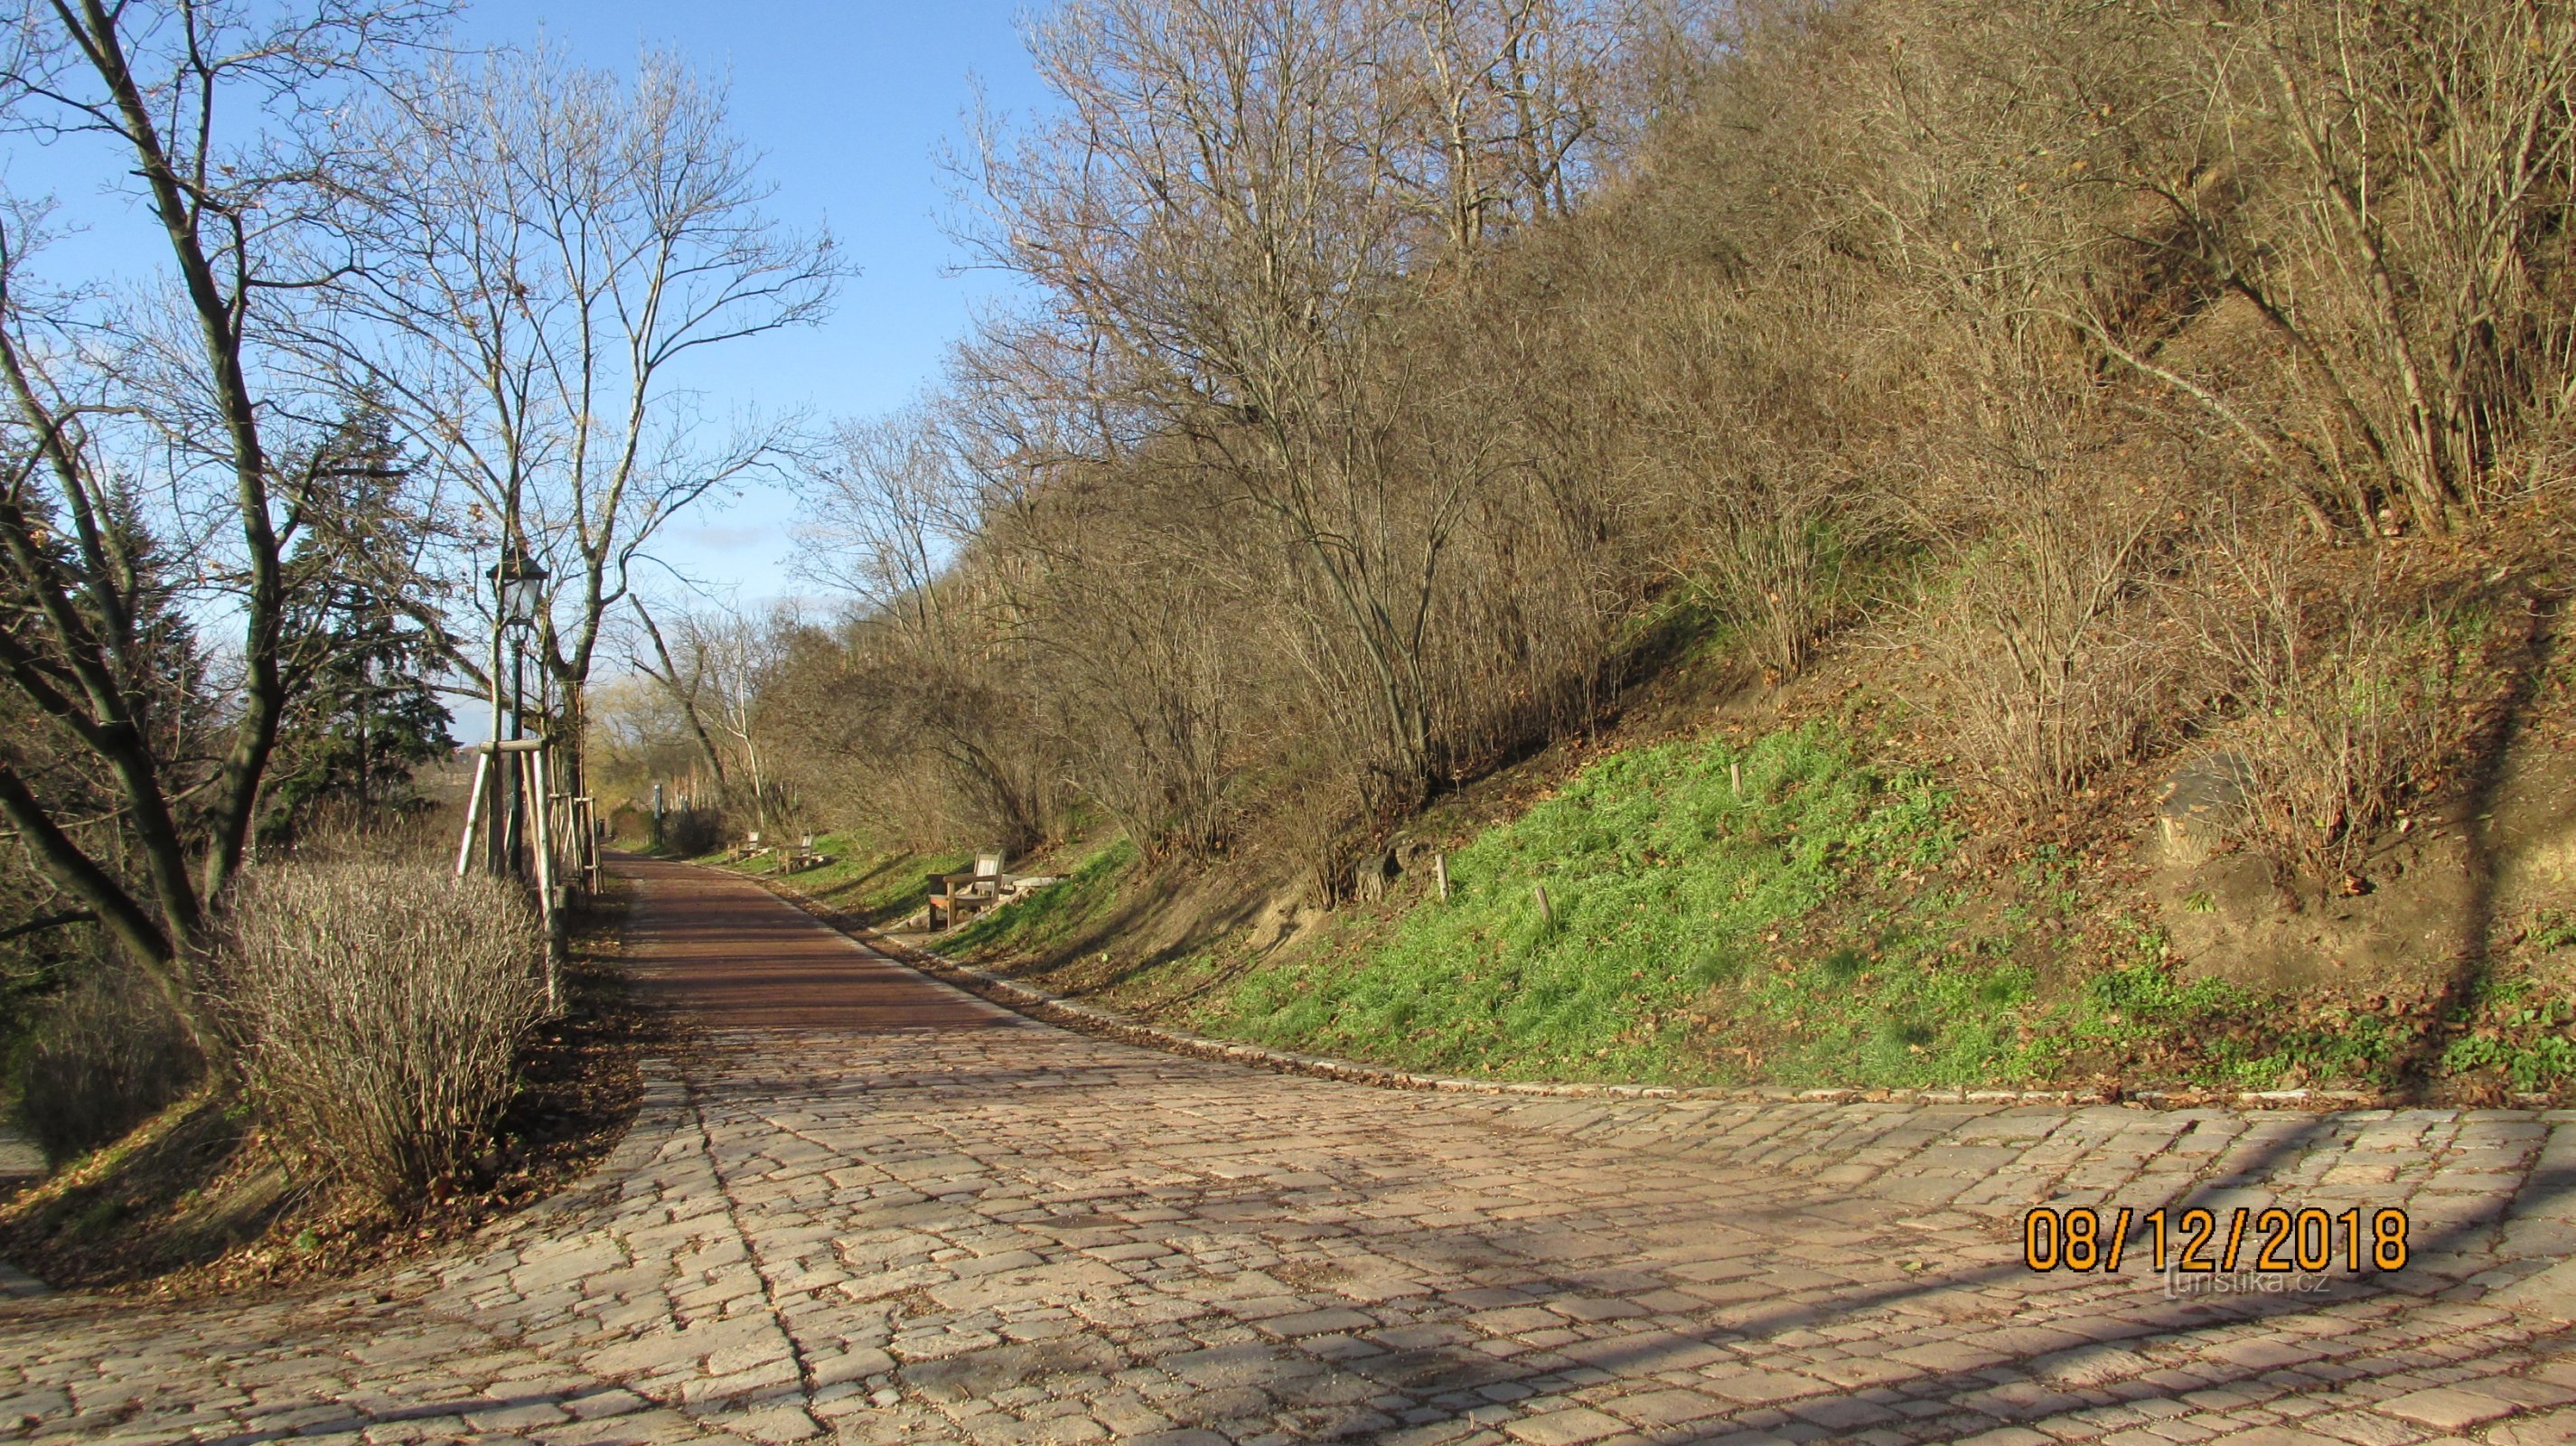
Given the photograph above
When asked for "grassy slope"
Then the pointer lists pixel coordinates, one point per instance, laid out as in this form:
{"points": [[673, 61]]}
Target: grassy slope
{"points": [[1785, 912], [1781, 911], [1712, 913], [1046, 918], [877, 885]]}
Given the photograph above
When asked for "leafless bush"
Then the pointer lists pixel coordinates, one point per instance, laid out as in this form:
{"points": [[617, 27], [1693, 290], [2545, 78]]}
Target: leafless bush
{"points": [[1743, 422], [2046, 642], [338, 832], [2347, 696], [1321, 830], [2409, 231], [1770, 566], [1157, 716], [379, 1007], [108, 1055]]}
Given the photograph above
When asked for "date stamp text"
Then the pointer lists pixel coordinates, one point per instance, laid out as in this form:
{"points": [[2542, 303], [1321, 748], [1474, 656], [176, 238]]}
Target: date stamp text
{"points": [[2273, 1241]]}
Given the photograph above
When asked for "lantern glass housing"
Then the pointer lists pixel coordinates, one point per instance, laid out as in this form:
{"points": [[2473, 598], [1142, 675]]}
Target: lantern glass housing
{"points": [[518, 581]]}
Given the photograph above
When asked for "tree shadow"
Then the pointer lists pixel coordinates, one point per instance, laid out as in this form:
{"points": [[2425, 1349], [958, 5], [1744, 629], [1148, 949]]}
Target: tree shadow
{"points": [[359, 1419], [2489, 753], [1982, 1389]]}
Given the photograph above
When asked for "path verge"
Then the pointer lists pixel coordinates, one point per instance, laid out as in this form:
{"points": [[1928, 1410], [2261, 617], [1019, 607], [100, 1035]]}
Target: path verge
{"points": [[1056, 1009]]}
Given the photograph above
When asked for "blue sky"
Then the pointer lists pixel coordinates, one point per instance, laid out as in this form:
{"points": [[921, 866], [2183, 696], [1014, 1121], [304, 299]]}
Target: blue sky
{"points": [[848, 102]]}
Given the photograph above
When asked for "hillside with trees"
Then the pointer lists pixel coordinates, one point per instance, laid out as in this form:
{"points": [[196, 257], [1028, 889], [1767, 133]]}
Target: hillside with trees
{"points": [[2015, 408]]}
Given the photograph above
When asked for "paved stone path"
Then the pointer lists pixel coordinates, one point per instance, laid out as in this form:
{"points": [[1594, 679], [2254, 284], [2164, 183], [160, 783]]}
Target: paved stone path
{"points": [[20, 1161], [929, 1221], [21, 1165]]}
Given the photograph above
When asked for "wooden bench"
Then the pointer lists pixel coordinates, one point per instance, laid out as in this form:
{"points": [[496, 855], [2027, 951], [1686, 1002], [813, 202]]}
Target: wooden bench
{"points": [[803, 856], [954, 898], [746, 848]]}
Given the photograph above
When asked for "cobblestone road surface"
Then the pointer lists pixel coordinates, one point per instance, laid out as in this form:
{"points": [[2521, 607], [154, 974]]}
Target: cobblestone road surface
{"points": [[927, 1220]]}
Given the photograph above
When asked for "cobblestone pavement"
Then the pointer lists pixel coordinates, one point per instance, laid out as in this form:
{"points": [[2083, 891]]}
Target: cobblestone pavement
{"points": [[1010, 1233]]}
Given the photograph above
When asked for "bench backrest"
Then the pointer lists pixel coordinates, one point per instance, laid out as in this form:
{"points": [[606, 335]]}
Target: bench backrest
{"points": [[988, 866]]}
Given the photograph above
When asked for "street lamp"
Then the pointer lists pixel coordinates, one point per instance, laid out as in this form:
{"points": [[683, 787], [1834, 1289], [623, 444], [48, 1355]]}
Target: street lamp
{"points": [[518, 583], [518, 586]]}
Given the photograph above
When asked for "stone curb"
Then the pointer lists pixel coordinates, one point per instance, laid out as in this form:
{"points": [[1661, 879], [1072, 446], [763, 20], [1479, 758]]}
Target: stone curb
{"points": [[1052, 1008]]}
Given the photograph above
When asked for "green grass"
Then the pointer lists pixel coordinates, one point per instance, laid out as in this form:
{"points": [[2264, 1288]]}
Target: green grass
{"points": [[2210, 1032], [2552, 929], [2514, 1031], [1675, 904], [879, 885], [1049, 916], [1802, 931]]}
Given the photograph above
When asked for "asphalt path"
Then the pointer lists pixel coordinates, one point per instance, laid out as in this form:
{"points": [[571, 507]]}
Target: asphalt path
{"points": [[730, 956]]}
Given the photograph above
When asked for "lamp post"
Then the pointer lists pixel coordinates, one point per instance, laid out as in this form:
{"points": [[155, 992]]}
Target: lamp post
{"points": [[518, 581], [518, 585]]}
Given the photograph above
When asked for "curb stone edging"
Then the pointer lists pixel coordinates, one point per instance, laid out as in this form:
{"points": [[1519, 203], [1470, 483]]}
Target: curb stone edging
{"points": [[1048, 1007]]}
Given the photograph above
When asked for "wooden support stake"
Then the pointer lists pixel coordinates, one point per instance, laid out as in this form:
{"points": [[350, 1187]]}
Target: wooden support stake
{"points": [[1546, 915], [1440, 872], [1735, 777], [545, 873], [473, 811], [542, 841]]}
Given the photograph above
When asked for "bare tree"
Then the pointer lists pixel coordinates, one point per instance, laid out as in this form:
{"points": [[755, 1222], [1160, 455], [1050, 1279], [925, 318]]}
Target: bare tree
{"points": [[886, 506], [547, 249], [1218, 209], [212, 114], [934, 663], [682, 680], [712, 664], [1512, 106]]}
